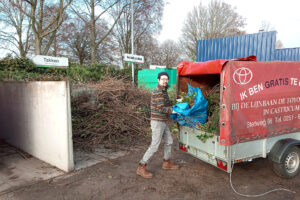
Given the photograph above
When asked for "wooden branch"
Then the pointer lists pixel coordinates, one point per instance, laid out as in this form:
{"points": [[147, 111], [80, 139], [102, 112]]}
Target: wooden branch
{"points": [[10, 50], [104, 37], [27, 38], [6, 36], [79, 15], [106, 10], [58, 19], [45, 51], [9, 41]]}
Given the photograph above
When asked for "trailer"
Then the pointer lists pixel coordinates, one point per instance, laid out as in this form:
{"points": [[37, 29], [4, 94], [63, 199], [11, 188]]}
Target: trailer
{"points": [[259, 113]]}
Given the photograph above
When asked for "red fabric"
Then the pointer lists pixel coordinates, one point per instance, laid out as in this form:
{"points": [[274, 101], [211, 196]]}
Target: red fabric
{"points": [[185, 68], [262, 100], [249, 58]]}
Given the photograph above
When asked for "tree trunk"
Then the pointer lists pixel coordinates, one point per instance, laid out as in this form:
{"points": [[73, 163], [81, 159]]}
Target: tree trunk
{"points": [[37, 45], [21, 50], [53, 35], [81, 60], [20, 44], [41, 29]]}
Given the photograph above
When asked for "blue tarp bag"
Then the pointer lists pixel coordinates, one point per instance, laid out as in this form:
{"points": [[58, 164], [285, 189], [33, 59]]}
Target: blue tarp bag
{"points": [[191, 117]]}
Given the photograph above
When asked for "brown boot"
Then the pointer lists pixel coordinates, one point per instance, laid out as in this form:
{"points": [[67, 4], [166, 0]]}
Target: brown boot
{"points": [[142, 171], [168, 165]]}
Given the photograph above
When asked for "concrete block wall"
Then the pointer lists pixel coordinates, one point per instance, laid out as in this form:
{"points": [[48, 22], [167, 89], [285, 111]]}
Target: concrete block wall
{"points": [[36, 117]]}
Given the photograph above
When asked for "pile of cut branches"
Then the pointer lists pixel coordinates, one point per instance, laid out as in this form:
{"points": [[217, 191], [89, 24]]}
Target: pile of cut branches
{"points": [[211, 127], [213, 110], [109, 112]]}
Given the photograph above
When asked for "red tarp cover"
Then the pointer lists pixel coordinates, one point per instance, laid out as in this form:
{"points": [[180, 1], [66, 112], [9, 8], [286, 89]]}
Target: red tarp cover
{"points": [[185, 68]]}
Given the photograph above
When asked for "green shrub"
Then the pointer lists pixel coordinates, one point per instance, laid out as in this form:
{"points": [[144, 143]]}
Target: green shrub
{"points": [[16, 64], [172, 94], [23, 69]]}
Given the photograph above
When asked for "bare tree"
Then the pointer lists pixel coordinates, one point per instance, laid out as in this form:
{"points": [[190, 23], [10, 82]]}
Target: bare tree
{"points": [[216, 20], [74, 40], [52, 43], [148, 46], [279, 44], [147, 16], [108, 48], [170, 53], [44, 25], [166, 54], [15, 32], [267, 26], [86, 11]]}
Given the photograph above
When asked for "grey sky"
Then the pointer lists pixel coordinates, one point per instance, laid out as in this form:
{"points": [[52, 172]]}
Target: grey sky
{"points": [[284, 16]]}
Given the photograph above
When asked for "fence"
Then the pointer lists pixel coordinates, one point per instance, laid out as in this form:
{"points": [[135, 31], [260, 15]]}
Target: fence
{"points": [[148, 77]]}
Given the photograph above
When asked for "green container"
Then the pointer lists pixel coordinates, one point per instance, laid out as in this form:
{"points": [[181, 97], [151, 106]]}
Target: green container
{"points": [[148, 77]]}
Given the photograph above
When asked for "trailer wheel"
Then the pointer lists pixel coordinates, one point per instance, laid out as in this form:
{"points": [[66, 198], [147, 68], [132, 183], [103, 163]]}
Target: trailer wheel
{"points": [[290, 165]]}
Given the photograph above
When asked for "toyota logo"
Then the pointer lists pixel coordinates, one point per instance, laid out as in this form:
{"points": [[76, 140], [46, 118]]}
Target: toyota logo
{"points": [[242, 76]]}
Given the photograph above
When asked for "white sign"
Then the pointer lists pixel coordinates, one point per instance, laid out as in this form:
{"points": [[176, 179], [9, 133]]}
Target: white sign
{"points": [[157, 66], [49, 61], [133, 58]]}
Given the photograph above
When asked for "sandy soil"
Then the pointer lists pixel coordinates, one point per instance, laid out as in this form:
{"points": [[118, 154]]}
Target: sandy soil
{"points": [[116, 179]]}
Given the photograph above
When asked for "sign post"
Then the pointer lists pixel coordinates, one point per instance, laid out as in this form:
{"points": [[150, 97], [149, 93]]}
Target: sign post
{"points": [[132, 41]]}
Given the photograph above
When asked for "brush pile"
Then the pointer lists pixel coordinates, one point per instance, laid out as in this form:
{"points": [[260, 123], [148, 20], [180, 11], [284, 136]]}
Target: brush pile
{"points": [[109, 112], [213, 111]]}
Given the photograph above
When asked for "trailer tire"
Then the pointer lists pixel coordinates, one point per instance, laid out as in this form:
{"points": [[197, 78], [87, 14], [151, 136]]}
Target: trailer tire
{"points": [[290, 164]]}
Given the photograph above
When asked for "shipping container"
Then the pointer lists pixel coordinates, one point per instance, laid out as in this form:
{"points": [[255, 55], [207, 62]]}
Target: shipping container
{"points": [[262, 44]]}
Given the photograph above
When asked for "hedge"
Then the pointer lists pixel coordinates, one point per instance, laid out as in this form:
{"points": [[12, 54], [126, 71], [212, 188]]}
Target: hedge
{"points": [[23, 69]]}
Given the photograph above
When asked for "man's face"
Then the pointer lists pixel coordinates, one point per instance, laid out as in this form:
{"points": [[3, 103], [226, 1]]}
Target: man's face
{"points": [[163, 81]]}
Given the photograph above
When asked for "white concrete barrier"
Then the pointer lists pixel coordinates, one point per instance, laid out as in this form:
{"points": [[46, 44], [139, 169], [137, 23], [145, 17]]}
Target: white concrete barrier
{"points": [[36, 117]]}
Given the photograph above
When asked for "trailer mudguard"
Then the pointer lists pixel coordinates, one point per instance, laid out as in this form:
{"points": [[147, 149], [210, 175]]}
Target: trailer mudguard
{"points": [[280, 147]]}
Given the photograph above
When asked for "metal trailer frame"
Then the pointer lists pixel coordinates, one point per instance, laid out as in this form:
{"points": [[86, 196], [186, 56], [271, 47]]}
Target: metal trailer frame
{"points": [[223, 156]]}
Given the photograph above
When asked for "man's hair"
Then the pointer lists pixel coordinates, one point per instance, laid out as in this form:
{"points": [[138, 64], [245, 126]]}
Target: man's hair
{"points": [[162, 74]]}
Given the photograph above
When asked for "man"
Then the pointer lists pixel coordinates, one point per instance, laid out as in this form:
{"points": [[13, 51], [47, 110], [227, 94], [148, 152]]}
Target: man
{"points": [[160, 110]]}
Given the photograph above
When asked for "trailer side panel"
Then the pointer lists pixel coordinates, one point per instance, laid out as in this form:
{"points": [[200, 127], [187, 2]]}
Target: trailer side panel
{"points": [[261, 100]]}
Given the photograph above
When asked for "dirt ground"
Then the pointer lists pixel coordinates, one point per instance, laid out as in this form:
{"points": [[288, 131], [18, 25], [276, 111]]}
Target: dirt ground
{"points": [[116, 179]]}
